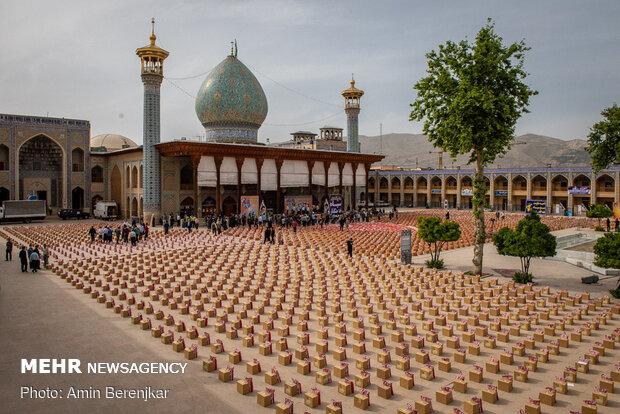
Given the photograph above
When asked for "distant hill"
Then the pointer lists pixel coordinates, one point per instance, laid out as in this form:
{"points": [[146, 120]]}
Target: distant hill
{"points": [[412, 150]]}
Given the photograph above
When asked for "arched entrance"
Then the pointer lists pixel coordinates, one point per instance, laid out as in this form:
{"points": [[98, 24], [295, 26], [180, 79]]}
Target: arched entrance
{"points": [[229, 206], [208, 206], [134, 207], [500, 196], [77, 198], [41, 166], [582, 193], [187, 206]]}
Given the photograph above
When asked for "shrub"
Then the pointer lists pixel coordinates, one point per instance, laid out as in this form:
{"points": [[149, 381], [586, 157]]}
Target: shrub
{"points": [[607, 250], [436, 234], [435, 264], [530, 238], [522, 277]]}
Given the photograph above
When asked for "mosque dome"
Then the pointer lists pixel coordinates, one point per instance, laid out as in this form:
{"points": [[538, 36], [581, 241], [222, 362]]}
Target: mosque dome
{"points": [[111, 142], [231, 104]]}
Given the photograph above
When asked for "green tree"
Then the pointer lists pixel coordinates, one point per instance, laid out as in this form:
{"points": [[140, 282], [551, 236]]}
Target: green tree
{"points": [[436, 234], [607, 250], [531, 238], [604, 139], [599, 211], [470, 102]]}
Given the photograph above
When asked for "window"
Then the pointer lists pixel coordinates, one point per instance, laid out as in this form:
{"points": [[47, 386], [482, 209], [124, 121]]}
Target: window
{"points": [[96, 174]]}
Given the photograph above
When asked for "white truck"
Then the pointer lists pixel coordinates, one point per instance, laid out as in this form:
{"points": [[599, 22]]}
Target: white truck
{"points": [[106, 210], [23, 210]]}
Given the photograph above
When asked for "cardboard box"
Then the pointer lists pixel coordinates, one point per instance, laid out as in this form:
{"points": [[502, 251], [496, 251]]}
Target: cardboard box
{"points": [[345, 387], [443, 396], [272, 378], [361, 401], [291, 388], [312, 399], [532, 408], [547, 397], [471, 407], [264, 399], [588, 408], [406, 382], [460, 386], [243, 387], [504, 384], [423, 407], [492, 367], [224, 375], [384, 390], [444, 365], [489, 395], [362, 381], [476, 375], [460, 356]]}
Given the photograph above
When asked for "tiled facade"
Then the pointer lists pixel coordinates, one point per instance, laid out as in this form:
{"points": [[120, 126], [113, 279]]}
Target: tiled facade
{"points": [[508, 188]]}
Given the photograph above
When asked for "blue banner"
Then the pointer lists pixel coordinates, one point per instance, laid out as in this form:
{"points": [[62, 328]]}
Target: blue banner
{"points": [[501, 193], [537, 206]]}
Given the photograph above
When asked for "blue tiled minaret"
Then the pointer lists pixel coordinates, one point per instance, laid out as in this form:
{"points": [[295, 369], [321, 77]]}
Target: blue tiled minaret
{"points": [[352, 98], [152, 70]]}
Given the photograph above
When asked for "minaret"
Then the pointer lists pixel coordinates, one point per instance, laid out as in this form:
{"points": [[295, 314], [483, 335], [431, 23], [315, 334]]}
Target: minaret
{"points": [[352, 98], [152, 69]]}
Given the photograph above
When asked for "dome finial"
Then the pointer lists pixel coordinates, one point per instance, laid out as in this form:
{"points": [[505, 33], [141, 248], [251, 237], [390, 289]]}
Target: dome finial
{"points": [[352, 81], [153, 37]]}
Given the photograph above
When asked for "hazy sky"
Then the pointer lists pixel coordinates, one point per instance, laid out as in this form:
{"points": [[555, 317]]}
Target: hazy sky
{"points": [[76, 59]]}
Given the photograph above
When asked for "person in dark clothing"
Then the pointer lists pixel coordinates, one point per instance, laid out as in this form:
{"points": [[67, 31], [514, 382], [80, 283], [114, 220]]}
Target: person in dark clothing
{"points": [[9, 250], [608, 224], [23, 258], [166, 227], [267, 235], [92, 233], [447, 215], [350, 247]]}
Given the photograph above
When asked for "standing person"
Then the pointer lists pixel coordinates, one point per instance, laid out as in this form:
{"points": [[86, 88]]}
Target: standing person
{"points": [[267, 235], [273, 235], [92, 233], [118, 233], [23, 258], [350, 247], [342, 220], [45, 253], [447, 215], [132, 237], [166, 227], [294, 225], [9, 249], [608, 224], [34, 261]]}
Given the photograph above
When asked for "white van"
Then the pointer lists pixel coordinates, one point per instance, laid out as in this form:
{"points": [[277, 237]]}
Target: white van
{"points": [[106, 210]]}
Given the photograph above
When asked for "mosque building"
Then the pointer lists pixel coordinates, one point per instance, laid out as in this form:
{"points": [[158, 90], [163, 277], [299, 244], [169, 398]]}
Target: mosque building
{"points": [[56, 159]]}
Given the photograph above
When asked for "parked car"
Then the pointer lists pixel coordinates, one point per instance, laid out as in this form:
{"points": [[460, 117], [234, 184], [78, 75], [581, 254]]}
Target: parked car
{"points": [[73, 213]]}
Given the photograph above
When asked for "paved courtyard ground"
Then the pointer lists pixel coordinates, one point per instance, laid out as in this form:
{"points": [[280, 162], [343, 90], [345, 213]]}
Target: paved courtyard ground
{"points": [[217, 278]]}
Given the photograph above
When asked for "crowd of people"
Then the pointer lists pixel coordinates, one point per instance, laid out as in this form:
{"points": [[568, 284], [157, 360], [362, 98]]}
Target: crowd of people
{"points": [[29, 258], [127, 233]]}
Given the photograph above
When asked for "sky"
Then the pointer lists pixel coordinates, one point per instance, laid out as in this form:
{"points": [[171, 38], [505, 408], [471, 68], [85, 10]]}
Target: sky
{"points": [[76, 59]]}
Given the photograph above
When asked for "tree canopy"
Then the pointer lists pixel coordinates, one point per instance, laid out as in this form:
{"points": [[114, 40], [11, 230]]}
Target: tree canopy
{"points": [[437, 233], [599, 211], [470, 101], [531, 238], [604, 139], [607, 250]]}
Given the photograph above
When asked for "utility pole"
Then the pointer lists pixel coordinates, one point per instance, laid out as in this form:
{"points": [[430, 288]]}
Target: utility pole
{"points": [[440, 152], [381, 138]]}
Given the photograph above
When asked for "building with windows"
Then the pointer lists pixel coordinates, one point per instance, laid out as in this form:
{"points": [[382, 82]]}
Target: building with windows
{"points": [[564, 189], [55, 159]]}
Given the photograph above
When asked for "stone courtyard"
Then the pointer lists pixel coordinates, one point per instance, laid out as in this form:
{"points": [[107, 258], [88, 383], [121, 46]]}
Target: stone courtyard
{"points": [[303, 327]]}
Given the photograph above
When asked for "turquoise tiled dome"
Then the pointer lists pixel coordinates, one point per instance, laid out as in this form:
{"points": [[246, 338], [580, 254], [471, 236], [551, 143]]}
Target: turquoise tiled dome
{"points": [[231, 104]]}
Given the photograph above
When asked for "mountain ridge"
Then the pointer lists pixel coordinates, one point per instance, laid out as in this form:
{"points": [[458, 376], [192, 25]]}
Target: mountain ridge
{"points": [[528, 151]]}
